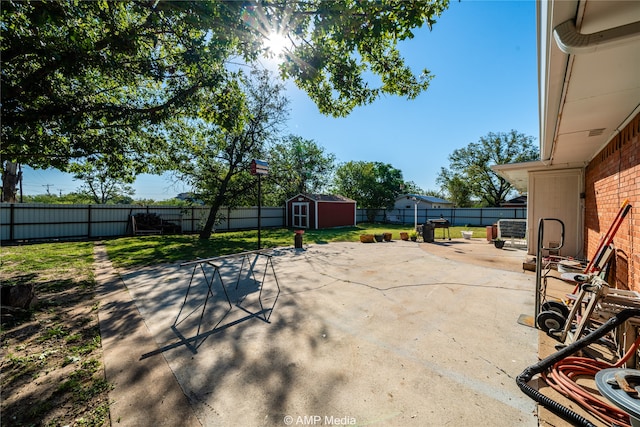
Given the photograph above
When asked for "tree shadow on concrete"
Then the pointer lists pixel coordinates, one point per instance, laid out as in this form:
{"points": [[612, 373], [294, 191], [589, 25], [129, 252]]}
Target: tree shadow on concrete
{"points": [[247, 285], [222, 304]]}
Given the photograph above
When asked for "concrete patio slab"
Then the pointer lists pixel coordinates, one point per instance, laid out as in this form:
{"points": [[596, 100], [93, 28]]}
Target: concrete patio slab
{"points": [[360, 334]]}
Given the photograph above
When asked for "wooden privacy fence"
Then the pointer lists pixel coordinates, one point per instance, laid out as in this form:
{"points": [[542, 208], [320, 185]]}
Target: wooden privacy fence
{"points": [[39, 221]]}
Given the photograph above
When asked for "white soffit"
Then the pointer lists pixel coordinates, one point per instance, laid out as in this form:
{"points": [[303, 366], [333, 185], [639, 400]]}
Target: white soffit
{"points": [[602, 88], [601, 15]]}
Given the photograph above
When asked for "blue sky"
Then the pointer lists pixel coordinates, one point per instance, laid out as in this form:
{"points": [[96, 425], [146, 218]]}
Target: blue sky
{"points": [[483, 57]]}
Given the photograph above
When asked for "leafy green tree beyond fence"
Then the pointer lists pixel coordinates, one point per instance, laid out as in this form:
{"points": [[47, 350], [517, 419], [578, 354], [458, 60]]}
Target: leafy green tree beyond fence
{"points": [[373, 185], [470, 175]]}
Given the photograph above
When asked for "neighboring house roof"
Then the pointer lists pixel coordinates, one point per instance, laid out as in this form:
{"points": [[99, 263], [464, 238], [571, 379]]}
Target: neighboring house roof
{"points": [[189, 197], [428, 199], [324, 198], [589, 84], [520, 200]]}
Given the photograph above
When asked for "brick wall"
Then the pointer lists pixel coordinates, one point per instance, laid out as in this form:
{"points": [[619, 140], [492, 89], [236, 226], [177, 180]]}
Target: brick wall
{"points": [[611, 177]]}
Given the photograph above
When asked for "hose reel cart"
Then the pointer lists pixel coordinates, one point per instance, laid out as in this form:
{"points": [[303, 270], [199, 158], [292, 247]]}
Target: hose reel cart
{"points": [[555, 317]]}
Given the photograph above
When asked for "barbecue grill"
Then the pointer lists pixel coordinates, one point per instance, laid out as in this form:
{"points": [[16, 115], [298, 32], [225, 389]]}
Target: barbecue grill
{"points": [[441, 223]]}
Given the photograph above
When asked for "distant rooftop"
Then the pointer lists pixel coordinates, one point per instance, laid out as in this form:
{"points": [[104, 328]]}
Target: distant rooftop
{"points": [[429, 199]]}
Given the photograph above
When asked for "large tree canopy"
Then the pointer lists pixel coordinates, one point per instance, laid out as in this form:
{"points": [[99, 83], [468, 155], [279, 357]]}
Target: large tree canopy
{"points": [[100, 184], [86, 78], [373, 185], [296, 165], [216, 160], [90, 78], [470, 174]]}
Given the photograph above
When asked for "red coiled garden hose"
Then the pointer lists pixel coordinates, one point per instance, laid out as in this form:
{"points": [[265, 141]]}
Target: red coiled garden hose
{"points": [[562, 377]]}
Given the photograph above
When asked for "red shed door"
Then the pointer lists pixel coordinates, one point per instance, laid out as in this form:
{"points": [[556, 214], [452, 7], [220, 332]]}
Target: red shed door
{"points": [[300, 214]]}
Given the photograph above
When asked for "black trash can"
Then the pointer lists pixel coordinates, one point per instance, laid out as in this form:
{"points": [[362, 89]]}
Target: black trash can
{"points": [[427, 232]]}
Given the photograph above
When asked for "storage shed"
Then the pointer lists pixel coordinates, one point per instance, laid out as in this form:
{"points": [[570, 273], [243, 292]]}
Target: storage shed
{"points": [[315, 211]]}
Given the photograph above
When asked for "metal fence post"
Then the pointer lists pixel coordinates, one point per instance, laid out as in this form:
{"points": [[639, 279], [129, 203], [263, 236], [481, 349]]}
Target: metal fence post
{"points": [[11, 221], [88, 221]]}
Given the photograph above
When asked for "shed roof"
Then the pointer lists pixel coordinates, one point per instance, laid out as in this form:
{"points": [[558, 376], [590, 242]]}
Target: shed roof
{"points": [[325, 198]]}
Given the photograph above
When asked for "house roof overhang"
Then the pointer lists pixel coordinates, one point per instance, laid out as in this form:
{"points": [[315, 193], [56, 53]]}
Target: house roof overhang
{"points": [[588, 80], [518, 173]]}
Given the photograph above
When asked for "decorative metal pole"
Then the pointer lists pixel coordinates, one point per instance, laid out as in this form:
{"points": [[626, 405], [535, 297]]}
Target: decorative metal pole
{"points": [[259, 167], [259, 210]]}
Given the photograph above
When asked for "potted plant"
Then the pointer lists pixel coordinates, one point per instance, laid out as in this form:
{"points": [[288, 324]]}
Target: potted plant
{"points": [[413, 235], [498, 243], [387, 237], [467, 234], [367, 238], [404, 235]]}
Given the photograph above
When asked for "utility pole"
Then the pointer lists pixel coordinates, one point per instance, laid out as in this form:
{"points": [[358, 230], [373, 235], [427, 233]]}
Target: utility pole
{"points": [[48, 186]]}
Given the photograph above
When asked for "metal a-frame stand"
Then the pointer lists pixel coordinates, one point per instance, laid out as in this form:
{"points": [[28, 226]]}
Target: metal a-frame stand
{"points": [[268, 263], [215, 264]]}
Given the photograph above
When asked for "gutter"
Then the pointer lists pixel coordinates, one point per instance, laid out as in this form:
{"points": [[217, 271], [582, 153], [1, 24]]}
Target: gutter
{"points": [[572, 42]]}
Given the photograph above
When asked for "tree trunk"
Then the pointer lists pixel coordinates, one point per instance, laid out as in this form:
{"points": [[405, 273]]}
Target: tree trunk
{"points": [[211, 220], [215, 207], [10, 178], [371, 215]]}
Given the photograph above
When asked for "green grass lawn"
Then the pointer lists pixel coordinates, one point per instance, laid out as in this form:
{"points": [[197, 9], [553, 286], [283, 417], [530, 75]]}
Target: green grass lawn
{"points": [[56, 259], [51, 365], [60, 258], [149, 250]]}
